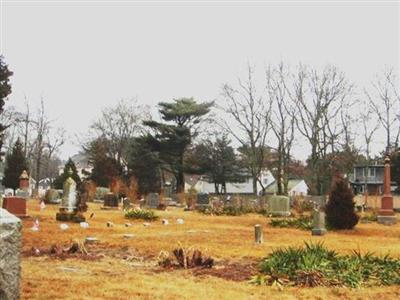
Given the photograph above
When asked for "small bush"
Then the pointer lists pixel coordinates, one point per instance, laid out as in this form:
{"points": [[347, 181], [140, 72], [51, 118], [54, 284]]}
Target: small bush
{"points": [[303, 223], [372, 217], [302, 205], [147, 215], [340, 213], [224, 210], [314, 265]]}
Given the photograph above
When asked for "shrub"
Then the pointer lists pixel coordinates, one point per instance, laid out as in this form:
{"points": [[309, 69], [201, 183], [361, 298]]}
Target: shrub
{"points": [[147, 215], [314, 265], [225, 210], [340, 213], [303, 223]]}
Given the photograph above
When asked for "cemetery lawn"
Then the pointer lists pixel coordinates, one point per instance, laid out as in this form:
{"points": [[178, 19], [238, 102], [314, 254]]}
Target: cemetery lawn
{"points": [[127, 268]]}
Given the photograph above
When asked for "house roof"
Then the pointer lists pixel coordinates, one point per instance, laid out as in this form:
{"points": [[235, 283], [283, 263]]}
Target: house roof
{"points": [[291, 184]]}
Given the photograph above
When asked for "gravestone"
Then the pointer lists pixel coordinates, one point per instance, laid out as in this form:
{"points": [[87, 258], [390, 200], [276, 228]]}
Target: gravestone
{"points": [[52, 196], [69, 203], [258, 234], [318, 222], [17, 205], [279, 206], [23, 190], [10, 246], [126, 203], [110, 200], [174, 200], [319, 201], [152, 200], [202, 200]]}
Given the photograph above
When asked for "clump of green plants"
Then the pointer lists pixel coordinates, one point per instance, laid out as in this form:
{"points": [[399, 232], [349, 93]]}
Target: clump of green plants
{"points": [[224, 210], [147, 215], [303, 223], [369, 217], [315, 265]]}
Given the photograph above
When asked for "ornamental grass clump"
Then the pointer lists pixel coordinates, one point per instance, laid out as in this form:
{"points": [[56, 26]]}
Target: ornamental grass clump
{"points": [[147, 215], [315, 265], [303, 223], [340, 212]]}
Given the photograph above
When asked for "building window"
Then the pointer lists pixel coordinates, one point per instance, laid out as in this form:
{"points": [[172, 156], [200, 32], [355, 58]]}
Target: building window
{"points": [[371, 172], [265, 181]]}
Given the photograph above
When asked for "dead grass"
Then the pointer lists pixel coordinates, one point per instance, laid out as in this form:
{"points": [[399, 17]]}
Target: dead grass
{"points": [[128, 268]]}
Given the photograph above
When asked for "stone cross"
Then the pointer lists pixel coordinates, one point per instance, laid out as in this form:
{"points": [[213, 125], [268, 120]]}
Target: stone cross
{"points": [[386, 213]]}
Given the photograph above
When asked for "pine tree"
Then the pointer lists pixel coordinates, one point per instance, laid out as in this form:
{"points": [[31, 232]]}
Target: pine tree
{"points": [[144, 166], [105, 168], [340, 213], [172, 137], [15, 165], [59, 181], [5, 90]]}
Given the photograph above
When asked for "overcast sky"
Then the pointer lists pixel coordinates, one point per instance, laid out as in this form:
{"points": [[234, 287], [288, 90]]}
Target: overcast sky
{"points": [[83, 56]]}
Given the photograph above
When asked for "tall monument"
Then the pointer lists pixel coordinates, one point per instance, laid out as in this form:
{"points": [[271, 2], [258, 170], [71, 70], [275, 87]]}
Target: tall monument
{"points": [[69, 204], [386, 213]]}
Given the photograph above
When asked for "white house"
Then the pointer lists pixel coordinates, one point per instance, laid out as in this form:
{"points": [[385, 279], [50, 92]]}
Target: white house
{"points": [[296, 187], [203, 186]]}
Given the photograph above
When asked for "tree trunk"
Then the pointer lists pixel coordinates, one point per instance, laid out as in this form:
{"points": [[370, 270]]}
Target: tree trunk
{"points": [[180, 183], [255, 184]]}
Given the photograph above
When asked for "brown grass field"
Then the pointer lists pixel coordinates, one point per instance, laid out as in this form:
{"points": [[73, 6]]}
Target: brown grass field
{"points": [[127, 268]]}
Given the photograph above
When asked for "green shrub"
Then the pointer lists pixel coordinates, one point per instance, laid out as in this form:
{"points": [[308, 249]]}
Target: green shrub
{"points": [[372, 217], [303, 223], [224, 210], [101, 192], [314, 265], [147, 215]]}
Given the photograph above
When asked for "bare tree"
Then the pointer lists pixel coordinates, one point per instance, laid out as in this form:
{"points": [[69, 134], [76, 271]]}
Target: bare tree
{"points": [[385, 101], [251, 113], [118, 125], [282, 121], [54, 141], [369, 126], [319, 98], [41, 128]]}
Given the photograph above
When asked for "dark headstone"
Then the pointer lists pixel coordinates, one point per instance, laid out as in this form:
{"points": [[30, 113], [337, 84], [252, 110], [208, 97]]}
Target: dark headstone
{"points": [[110, 200], [202, 199], [153, 200]]}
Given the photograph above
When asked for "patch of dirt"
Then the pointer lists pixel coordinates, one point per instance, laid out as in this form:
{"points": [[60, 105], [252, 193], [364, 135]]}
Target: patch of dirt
{"points": [[233, 271], [86, 252]]}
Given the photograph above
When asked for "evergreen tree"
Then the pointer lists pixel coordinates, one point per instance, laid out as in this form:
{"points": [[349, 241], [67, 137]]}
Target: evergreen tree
{"points": [[15, 165], [171, 141], [145, 166], [340, 212], [59, 181], [105, 168], [217, 160], [5, 90]]}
